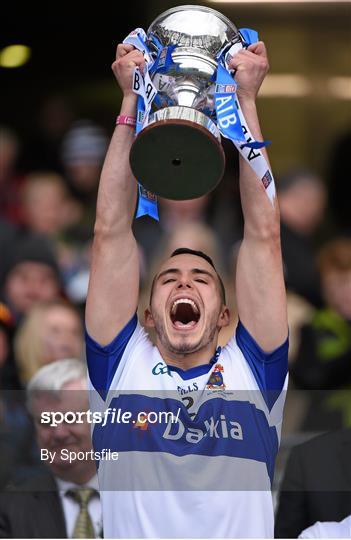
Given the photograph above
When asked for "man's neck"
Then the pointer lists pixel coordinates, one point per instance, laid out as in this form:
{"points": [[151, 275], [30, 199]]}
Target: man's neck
{"points": [[187, 361]]}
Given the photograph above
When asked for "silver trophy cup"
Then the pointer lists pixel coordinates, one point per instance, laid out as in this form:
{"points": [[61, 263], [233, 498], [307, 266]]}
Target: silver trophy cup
{"points": [[178, 154]]}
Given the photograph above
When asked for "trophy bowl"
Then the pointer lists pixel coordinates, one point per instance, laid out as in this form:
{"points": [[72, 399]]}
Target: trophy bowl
{"points": [[178, 153]]}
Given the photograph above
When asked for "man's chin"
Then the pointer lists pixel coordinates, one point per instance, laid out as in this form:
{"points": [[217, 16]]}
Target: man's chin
{"points": [[184, 345], [178, 341], [66, 464], [59, 466]]}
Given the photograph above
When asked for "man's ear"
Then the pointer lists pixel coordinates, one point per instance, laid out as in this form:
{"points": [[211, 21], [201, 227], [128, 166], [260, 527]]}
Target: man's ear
{"points": [[148, 318], [224, 317]]}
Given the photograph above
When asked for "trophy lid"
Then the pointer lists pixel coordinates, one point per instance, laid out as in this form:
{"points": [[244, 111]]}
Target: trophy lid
{"points": [[194, 26]]}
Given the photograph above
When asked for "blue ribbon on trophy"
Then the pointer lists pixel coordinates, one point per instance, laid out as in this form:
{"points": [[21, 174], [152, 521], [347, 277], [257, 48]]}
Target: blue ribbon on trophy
{"points": [[246, 145], [226, 102], [230, 119], [143, 86]]}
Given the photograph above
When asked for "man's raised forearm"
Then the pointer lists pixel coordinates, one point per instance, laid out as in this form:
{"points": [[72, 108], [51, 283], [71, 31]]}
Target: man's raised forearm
{"points": [[261, 217], [118, 188]]}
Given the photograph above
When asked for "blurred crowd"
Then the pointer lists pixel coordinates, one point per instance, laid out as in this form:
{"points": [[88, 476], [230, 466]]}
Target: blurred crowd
{"points": [[48, 189]]}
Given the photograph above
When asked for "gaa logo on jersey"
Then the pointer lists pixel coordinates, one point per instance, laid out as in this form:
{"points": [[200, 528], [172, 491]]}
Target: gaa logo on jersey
{"points": [[161, 369], [216, 382]]}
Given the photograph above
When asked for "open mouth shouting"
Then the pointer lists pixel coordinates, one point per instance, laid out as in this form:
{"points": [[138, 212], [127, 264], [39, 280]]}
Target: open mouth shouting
{"points": [[184, 314]]}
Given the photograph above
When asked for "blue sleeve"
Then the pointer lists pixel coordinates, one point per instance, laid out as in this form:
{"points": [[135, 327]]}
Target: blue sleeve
{"points": [[103, 361], [269, 369]]}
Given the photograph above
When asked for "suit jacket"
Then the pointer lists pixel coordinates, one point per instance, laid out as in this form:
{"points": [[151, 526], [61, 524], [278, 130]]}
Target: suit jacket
{"points": [[32, 509], [316, 484]]}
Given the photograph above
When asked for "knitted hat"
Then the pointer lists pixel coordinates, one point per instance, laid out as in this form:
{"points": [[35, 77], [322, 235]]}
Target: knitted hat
{"points": [[31, 247], [85, 142]]}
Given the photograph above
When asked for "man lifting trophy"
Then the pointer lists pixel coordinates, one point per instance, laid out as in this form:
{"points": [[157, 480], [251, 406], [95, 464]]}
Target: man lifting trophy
{"points": [[191, 79]]}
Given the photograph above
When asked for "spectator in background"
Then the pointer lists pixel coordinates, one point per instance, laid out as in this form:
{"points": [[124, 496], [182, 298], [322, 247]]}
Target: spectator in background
{"points": [[82, 153], [42, 149], [30, 274], [323, 361], [62, 499], [16, 433], [50, 331], [47, 207], [83, 150], [173, 215], [316, 484], [10, 178], [192, 234], [302, 200]]}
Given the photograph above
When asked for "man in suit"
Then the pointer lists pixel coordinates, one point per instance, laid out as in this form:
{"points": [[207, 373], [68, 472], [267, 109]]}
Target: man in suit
{"points": [[316, 485], [62, 500]]}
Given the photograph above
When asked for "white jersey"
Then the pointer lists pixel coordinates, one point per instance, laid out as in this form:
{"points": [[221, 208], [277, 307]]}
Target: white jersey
{"points": [[329, 529], [204, 472]]}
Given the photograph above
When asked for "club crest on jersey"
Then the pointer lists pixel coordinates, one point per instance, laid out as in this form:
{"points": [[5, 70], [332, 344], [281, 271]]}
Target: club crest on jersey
{"points": [[216, 382], [141, 423]]}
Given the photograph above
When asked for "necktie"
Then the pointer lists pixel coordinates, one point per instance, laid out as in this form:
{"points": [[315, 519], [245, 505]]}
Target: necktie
{"points": [[83, 527]]}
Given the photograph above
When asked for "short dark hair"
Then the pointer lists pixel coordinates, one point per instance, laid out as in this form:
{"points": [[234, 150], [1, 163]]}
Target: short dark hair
{"points": [[293, 177], [188, 251]]}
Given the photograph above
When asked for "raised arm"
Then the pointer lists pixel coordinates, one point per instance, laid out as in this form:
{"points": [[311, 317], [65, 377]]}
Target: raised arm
{"points": [[260, 288], [114, 278]]}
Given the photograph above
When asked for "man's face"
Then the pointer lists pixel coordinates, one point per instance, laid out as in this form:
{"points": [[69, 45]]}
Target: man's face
{"points": [[85, 175], [44, 206], [31, 282], [62, 334], [303, 205], [74, 437], [186, 306]]}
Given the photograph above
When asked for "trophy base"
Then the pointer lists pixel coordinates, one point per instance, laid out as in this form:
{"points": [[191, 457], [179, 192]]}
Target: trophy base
{"points": [[178, 155]]}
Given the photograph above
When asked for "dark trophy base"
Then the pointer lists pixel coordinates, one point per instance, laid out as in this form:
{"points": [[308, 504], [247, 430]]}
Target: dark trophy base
{"points": [[177, 159]]}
